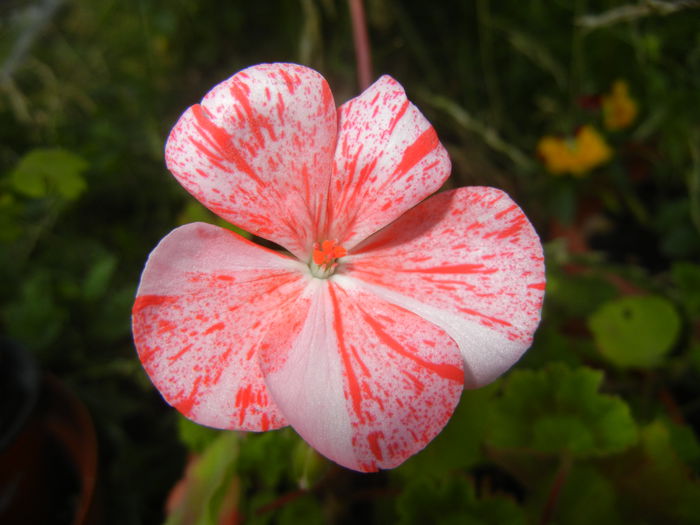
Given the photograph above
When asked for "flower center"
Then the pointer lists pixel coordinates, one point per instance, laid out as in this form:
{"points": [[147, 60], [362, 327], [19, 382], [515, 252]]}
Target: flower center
{"points": [[324, 258]]}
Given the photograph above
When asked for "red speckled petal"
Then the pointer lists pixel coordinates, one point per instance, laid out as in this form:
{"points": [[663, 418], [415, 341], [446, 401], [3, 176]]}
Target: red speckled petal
{"points": [[258, 152], [206, 298], [366, 383], [387, 160], [469, 261]]}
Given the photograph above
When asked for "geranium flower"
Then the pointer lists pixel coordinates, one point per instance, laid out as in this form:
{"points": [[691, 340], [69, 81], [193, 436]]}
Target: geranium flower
{"points": [[577, 155], [362, 337]]}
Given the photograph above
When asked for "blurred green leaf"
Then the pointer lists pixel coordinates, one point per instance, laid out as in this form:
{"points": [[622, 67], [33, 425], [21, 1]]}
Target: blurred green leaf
{"points": [[308, 466], [559, 409], [194, 436], [652, 482], [304, 510], [208, 493], [35, 317], [686, 277], [98, 277], [586, 497], [43, 171], [268, 456], [684, 442], [635, 331], [452, 500], [576, 295]]}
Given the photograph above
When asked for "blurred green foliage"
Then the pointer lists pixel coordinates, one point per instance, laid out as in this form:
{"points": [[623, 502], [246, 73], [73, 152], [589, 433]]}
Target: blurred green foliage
{"points": [[599, 421]]}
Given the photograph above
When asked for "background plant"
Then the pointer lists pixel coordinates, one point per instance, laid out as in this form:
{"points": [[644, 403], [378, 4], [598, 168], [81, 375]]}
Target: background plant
{"points": [[600, 419]]}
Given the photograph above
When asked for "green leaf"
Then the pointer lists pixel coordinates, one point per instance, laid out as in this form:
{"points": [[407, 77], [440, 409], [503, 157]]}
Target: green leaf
{"points": [[576, 295], [662, 488], [35, 317], [452, 500], [209, 490], [304, 510], [195, 437], [44, 171], [559, 410], [98, 277], [308, 466], [686, 277], [635, 331], [586, 497], [268, 456], [10, 225]]}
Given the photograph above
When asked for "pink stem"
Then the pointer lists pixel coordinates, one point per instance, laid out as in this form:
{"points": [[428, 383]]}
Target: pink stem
{"points": [[361, 41]]}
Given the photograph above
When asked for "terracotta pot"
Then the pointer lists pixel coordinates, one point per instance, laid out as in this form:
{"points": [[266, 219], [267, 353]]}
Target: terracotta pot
{"points": [[48, 448]]}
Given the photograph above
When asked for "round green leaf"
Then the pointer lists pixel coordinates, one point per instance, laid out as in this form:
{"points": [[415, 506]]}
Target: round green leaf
{"points": [[50, 170], [635, 331], [558, 410]]}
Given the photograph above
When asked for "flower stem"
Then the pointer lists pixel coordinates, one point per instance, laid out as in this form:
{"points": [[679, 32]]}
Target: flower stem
{"points": [[565, 464], [361, 41]]}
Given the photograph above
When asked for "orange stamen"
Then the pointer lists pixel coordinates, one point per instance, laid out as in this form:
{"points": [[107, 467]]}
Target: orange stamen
{"points": [[327, 252]]}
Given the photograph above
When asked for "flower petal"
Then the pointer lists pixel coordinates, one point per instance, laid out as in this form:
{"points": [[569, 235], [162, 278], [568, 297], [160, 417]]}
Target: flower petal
{"points": [[387, 160], [205, 300], [469, 261], [258, 152], [365, 382]]}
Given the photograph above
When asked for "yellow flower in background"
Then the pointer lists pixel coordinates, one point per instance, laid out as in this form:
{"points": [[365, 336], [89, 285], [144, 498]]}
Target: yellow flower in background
{"points": [[577, 155], [619, 109]]}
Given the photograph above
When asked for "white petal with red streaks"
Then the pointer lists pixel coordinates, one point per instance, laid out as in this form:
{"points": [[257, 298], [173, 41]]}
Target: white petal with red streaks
{"points": [[258, 152], [366, 383], [388, 159], [205, 300], [468, 260]]}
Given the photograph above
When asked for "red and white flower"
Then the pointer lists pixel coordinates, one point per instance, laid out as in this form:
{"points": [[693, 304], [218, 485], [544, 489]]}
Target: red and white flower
{"points": [[363, 338]]}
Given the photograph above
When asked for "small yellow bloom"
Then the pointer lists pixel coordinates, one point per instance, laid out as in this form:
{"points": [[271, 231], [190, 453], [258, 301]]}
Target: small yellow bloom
{"points": [[619, 109], [577, 155]]}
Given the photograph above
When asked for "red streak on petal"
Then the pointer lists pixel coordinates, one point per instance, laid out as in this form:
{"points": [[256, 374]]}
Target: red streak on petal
{"points": [[243, 399], [430, 166], [537, 286], [398, 116], [418, 385], [423, 145], [185, 406], [451, 372], [291, 85], [221, 140], [165, 326], [257, 121], [182, 352], [145, 301], [514, 228], [501, 214], [326, 98], [457, 268], [373, 440], [478, 314], [214, 328], [353, 385]]}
